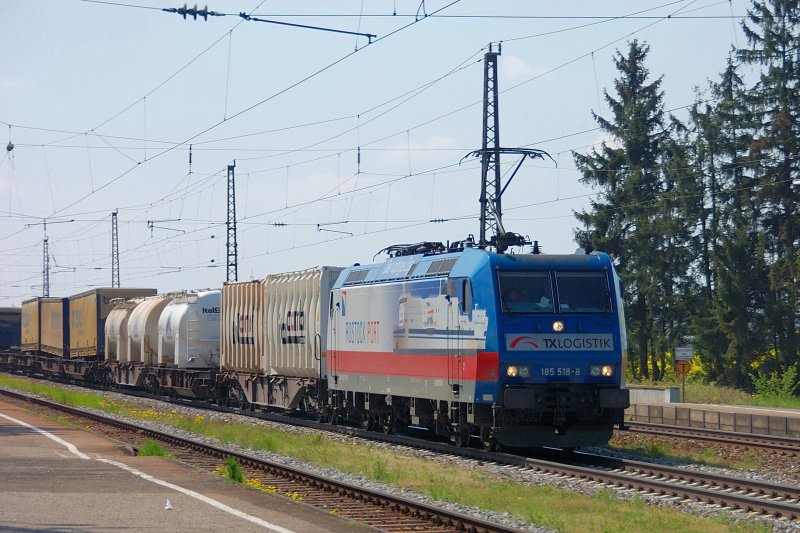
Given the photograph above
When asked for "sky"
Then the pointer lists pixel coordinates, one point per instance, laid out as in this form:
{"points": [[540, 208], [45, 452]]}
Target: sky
{"points": [[343, 144]]}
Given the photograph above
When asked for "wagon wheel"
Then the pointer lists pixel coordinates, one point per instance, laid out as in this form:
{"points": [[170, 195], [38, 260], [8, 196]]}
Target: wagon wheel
{"points": [[151, 384], [335, 418], [367, 422], [387, 424]]}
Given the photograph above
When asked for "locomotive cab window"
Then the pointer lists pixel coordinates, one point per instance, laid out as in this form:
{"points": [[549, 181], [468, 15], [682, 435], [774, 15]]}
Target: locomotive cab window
{"points": [[583, 292], [525, 292]]}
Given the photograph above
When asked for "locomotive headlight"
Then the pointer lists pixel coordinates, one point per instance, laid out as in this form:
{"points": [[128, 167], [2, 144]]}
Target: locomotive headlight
{"points": [[558, 326], [601, 370], [522, 371]]}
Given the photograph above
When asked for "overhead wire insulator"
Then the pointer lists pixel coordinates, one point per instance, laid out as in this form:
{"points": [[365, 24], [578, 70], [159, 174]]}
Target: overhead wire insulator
{"points": [[193, 12]]}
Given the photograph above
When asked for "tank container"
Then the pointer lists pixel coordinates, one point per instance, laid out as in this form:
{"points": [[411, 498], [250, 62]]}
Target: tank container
{"points": [[88, 313], [116, 330], [143, 330], [189, 331]]}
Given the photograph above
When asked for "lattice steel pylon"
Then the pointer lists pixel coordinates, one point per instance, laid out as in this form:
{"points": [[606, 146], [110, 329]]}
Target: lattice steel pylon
{"points": [[490, 150], [492, 232], [45, 268], [114, 250], [232, 249]]}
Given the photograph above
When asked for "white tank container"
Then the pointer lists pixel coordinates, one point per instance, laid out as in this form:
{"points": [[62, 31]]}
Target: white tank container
{"points": [[143, 330], [189, 331], [116, 329]]}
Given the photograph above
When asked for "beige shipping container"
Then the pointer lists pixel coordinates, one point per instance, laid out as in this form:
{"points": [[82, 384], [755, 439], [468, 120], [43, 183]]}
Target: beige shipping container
{"points": [[30, 335], [54, 327], [88, 313], [242, 327], [276, 326]]}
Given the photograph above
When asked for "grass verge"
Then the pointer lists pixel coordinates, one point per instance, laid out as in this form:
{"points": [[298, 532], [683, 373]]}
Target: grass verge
{"points": [[545, 506], [151, 448]]}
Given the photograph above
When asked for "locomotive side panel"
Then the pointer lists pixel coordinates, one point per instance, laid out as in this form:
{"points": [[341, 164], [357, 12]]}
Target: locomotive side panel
{"points": [[407, 339]]}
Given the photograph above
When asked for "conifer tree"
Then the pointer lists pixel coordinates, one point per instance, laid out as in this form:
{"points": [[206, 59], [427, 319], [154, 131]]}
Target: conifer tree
{"points": [[626, 169], [772, 28]]}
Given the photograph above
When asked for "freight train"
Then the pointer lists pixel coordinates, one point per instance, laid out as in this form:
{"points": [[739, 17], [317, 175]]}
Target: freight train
{"points": [[506, 350]]}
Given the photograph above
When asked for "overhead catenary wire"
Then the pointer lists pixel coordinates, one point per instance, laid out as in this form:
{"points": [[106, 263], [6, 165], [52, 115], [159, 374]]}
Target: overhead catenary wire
{"points": [[283, 166]]}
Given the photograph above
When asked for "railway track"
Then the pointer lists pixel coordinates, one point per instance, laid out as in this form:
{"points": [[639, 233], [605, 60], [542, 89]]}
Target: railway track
{"points": [[782, 445], [677, 484]]}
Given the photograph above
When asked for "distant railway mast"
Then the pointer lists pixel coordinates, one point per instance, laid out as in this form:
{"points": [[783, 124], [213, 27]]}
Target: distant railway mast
{"points": [[46, 253], [492, 232], [114, 250], [231, 247]]}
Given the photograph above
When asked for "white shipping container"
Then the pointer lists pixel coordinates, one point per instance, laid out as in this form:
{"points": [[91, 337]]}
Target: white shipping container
{"points": [[189, 331]]}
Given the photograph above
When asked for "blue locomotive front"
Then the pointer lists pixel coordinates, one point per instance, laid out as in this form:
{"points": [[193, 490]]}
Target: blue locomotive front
{"points": [[558, 327]]}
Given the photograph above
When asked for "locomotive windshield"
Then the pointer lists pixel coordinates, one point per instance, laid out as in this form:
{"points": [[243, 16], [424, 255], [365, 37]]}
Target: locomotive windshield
{"points": [[526, 292], [532, 292], [583, 292]]}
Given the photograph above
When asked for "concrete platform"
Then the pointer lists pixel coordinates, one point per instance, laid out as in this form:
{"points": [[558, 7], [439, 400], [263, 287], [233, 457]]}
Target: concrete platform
{"points": [[739, 419], [86, 483]]}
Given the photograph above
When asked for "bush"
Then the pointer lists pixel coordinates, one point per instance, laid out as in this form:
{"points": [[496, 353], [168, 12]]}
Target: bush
{"points": [[776, 384], [233, 470]]}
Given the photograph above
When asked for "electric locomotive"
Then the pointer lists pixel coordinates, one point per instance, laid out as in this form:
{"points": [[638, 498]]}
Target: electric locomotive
{"points": [[518, 350]]}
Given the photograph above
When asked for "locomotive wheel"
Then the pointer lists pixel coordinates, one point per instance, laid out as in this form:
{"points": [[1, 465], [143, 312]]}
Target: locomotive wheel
{"points": [[488, 441], [460, 439]]}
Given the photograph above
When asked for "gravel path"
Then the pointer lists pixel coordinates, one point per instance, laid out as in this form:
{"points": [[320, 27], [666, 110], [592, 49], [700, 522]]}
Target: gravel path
{"points": [[778, 470]]}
